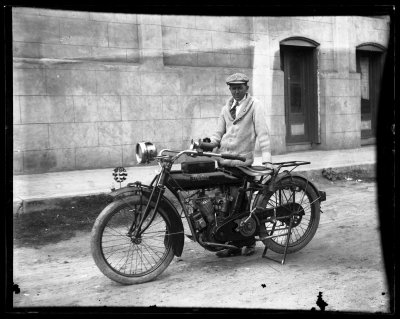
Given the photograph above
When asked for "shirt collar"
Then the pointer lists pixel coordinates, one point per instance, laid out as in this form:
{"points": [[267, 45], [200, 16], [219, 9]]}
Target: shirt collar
{"points": [[235, 101]]}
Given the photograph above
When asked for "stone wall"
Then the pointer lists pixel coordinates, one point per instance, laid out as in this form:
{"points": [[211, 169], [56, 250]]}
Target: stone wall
{"points": [[89, 86]]}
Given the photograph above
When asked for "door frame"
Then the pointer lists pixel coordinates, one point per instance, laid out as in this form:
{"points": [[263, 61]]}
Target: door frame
{"points": [[303, 44]]}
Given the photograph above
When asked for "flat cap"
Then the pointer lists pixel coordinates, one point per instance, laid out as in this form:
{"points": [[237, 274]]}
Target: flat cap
{"points": [[237, 78]]}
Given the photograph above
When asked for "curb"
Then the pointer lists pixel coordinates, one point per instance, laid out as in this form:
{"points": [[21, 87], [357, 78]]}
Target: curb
{"points": [[20, 207]]}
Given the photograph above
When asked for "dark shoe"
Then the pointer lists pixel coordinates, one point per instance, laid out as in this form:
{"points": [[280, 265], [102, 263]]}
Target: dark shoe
{"points": [[248, 250], [230, 252]]}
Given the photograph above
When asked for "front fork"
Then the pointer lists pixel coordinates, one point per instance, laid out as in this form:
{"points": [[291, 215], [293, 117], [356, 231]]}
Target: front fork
{"points": [[157, 193]]}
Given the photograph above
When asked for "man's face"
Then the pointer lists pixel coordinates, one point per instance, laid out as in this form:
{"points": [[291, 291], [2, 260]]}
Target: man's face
{"points": [[238, 91]]}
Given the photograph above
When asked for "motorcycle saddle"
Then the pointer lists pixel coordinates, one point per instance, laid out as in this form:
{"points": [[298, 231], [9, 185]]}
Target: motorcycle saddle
{"points": [[254, 170]]}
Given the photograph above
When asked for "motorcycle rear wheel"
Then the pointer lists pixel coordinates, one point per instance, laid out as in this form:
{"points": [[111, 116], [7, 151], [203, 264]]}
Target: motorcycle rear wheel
{"points": [[126, 260], [301, 197]]}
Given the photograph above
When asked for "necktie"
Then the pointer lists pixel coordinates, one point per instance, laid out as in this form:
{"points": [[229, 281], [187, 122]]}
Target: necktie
{"points": [[233, 110]]}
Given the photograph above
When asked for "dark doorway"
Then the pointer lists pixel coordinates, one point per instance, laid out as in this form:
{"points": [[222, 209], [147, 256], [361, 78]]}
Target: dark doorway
{"points": [[300, 95], [369, 65]]}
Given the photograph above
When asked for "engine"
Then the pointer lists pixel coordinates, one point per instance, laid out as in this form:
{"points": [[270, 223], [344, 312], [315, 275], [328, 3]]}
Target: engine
{"points": [[210, 207]]}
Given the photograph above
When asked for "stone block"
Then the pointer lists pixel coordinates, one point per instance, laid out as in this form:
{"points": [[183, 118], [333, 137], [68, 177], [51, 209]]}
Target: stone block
{"points": [[65, 14], [326, 65], [190, 106], [221, 88], [227, 42], [179, 21], [117, 83], [209, 107], [150, 36], [241, 24], [193, 40], [342, 105], [22, 10], [278, 145], [63, 51], [278, 87], [98, 157], [214, 59], [123, 35], [160, 83], [30, 137], [46, 109], [149, 19], [129, 156], [113, 17], [171, 107], [34, 28], [29, 82], [109, 108], [85, 108], [278, 24], [313, 30], [198, 128], [70, 82], [198, 83], [183, 58], [132, 132], [16, 110], [83, 32], [168, 38], [275, 104], [276, 124], [343, 140], [130, 108], [162, 130], [110, 55], [150, 107], [25, 50], [110, 133], [343, 123], [70, 135], [132, 55], [242, 60], [219, 23], [261, 24], [49, 160], [18, 162]]}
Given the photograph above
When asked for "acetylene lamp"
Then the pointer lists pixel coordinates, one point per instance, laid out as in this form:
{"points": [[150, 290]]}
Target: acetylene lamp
{"points": [[145, 152]]}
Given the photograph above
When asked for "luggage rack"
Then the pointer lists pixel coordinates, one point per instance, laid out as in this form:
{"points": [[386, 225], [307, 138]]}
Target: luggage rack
{"points": [[290, 164]]}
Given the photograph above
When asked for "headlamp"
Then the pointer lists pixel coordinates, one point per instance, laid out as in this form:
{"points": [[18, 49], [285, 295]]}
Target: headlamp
{"points": [[145, 152]]}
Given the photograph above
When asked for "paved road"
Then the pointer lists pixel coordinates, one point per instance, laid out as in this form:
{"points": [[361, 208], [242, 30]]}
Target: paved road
{"points": [[343, 261]]}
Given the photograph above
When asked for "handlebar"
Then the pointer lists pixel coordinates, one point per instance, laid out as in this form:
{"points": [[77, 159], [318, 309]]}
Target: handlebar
{"points": [[201, 153]]}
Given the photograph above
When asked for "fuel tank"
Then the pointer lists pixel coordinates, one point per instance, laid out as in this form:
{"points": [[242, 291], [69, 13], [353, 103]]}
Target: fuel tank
{"points": [[177, 180]]}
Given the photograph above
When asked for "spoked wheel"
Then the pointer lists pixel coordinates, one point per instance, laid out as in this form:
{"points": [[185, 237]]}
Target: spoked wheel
{"points": [[126, 259], [294, 200]]}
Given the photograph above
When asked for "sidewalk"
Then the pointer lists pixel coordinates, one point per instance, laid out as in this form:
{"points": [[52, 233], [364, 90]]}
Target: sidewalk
{"points": [[97, 181]]}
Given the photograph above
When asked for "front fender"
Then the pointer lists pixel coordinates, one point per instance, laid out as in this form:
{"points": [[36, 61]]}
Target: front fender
{"points": [[173, 217]]}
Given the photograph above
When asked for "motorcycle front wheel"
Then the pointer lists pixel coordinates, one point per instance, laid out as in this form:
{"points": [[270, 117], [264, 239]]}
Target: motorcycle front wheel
{"points": [[125, 259], [293, 198]]}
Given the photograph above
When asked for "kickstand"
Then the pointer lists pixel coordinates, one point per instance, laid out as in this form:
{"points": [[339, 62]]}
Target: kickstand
{"points": [[286, 246]]}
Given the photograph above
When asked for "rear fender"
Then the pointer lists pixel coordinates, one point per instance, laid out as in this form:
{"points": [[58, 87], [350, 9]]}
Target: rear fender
{"points": [[173, 217], [287, 175]]}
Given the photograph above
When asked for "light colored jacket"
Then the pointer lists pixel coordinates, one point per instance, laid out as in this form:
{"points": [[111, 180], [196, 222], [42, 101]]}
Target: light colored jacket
{"points": [[239, 136]]}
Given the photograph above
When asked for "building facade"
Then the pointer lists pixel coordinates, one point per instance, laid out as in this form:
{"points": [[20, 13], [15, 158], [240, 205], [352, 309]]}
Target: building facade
{"points": [[87, 86]]}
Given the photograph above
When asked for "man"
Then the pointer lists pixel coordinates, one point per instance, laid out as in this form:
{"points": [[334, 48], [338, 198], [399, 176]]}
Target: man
{"points": [[241, 121]]}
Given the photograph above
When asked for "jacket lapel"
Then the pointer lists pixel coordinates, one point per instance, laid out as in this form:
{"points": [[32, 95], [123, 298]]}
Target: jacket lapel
{"points": [[248, 103]]}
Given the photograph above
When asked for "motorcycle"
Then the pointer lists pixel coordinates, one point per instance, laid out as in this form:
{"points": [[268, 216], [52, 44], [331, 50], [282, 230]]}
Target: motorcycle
{"points": [[137, 235]]}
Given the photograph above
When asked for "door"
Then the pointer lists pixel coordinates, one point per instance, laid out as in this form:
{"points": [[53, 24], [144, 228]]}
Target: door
{"points": [[369, 67], [300, 109]]}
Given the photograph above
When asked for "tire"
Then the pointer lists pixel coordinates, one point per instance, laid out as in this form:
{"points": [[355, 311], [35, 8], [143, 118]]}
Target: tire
{"points": [[126, 262], [293, 190]]}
